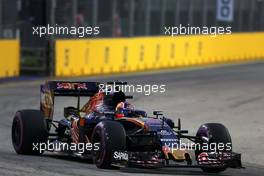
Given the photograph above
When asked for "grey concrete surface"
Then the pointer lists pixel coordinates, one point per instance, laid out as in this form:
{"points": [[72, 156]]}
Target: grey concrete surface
{"points": [[232, 95]]}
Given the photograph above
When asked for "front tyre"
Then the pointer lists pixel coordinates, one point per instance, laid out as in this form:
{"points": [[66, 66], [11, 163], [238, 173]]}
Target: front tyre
{"points": [[28, 128], [213, 133], [111, 136]]}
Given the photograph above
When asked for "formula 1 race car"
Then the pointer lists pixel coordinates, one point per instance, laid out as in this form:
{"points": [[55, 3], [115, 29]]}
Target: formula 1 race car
{"points": [[108, 130]]}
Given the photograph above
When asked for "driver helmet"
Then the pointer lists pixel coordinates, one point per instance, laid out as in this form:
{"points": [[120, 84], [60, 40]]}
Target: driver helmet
{"points": [[123, 109]]}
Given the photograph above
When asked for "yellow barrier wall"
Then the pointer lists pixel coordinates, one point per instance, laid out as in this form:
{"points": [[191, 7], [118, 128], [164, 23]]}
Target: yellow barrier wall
{"points": [[101, 56], [9, 58]]}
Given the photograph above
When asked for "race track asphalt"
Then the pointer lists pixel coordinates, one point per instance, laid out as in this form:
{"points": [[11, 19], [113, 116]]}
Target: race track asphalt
{"points": [[232, 95]]}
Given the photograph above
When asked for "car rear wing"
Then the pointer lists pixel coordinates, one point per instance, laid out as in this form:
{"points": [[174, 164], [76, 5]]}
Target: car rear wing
{"points": [[63, 88]]}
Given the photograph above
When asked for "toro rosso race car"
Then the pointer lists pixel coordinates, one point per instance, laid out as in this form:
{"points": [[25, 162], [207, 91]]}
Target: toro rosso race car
{"points": [[111, 132]]}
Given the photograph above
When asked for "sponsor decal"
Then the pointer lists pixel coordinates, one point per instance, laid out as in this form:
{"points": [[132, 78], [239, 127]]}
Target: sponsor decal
{"points": [[71, 86], [165, 133], [120, 155]]}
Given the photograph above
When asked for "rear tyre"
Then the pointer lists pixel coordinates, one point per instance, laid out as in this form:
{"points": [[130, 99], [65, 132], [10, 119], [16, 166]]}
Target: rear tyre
{"points": [[112, 137], [214, 133], [28, 128]]}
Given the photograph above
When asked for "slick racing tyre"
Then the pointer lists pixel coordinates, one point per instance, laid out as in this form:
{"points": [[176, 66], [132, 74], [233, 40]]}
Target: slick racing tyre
{"points": [[111, 136], [213, 133], [28, 128]]}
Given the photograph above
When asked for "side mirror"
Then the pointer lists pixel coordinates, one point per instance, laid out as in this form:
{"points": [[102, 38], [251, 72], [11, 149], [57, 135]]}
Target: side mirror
{"points": [[157, 113]]}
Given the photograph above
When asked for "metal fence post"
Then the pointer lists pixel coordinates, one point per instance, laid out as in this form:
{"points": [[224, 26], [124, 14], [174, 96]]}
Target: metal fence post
{"points": [[50, 47], [74, 12], [177, 13], [262, 17], [147, 17], [95, 12], [1, 18], [205, 9], [216, 22], [240, 13], [163, 14], [114, 9], [131, 17], [190, 14], [251, 15]]}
